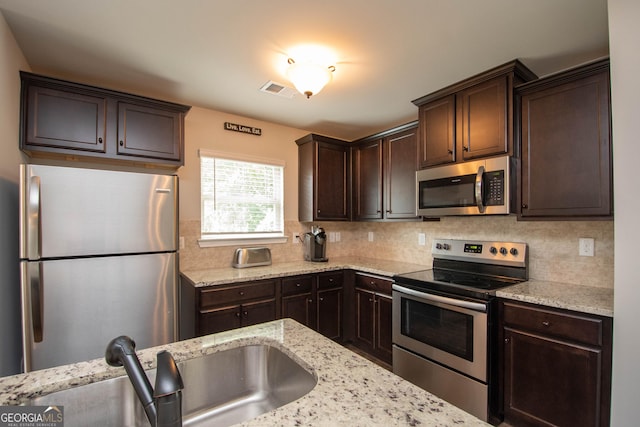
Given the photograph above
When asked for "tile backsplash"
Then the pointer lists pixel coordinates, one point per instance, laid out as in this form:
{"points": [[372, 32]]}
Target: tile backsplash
{"points": [[553, 245]]}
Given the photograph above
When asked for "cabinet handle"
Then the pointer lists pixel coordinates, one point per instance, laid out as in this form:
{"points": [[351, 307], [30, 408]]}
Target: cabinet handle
{"points": [[330, 279], [370, 299], [388, 210], [99, 140], [309, 300], [524, 206], [506, 340], [450, 151], [237, 314], [321, 299], [546, 323], [241, 293], [465, 148], [245, 313], [121, 144], [297, 285]]}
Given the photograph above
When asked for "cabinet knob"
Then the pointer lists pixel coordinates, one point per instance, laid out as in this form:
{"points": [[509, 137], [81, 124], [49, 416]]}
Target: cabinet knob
{"points": [[546, 323], [330, 279], [321, 299], [524, 206], [297, 285], [465, 148], [309, 300], [450, 151], [121, 144], [370, 299], [99, 140], [241, 293], [388, 211], [245, 313], [238, 314], [506, 340]]}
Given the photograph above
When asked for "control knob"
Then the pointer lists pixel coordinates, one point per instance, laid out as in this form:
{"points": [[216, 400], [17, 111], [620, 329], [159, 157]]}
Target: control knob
{"points": [[493, 250], [513, 251], [446, 246], [438, 245], [503, 250]]}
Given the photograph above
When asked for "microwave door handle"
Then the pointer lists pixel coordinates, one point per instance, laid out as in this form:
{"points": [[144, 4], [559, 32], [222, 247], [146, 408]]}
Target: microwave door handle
{"points": [[478, 189]]}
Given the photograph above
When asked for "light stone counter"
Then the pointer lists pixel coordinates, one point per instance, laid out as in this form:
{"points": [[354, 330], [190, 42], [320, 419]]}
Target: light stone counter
{"points": [[351, 391], [585, 299], [218, 276]]}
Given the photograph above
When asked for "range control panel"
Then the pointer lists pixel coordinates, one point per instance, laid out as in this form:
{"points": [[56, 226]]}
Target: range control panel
{"points": [[488, 252]]}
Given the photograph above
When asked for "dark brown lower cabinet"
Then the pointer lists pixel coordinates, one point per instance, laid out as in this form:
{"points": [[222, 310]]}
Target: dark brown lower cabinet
{"points": [[315, 301], [557, 366], [220, 308], [372, 312]]}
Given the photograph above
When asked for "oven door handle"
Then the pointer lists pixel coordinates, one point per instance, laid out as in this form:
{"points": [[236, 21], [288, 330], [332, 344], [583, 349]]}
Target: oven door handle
{"points": [[475, 306]]}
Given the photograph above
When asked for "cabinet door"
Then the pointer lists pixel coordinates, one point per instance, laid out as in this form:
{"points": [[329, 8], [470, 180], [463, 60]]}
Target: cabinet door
{"points": [[367, 160], [400, 165], [329, 309], [566, 150], [61, 119], [551, 382], [148, 132], [218, 320], [437, 132], [299, 308], [331, 182], [258, 312], [383, 344], [365, 319], [482, 112]]}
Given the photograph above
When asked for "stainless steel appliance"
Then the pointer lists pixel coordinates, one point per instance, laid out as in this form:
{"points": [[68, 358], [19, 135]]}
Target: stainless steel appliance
{"points": [[444, 321], [315, 245], [481, 187], [98, 260]]}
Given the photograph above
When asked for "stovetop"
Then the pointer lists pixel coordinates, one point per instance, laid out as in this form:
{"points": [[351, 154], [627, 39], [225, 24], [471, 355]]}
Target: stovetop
{"points": [[474, 269]]}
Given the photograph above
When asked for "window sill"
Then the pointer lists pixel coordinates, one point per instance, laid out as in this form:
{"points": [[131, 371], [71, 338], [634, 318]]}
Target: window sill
{"points": [[211, 243]]}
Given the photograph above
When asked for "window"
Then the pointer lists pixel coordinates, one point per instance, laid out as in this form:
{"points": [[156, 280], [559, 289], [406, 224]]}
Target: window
{"points": [[241, 198]]}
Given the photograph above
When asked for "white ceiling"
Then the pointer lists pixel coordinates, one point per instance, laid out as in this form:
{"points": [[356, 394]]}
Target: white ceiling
{"points": [[217, 54]]}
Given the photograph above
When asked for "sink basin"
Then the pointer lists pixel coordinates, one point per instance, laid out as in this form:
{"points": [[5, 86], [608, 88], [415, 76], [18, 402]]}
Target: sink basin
{"points": [[221, 389]]}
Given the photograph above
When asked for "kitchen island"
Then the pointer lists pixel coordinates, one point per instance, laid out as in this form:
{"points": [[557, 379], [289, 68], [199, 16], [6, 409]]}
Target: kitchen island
{"points": [[350, 390]]}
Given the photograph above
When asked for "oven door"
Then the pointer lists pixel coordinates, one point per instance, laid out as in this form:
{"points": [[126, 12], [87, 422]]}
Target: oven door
{"points": [[449, 331]]}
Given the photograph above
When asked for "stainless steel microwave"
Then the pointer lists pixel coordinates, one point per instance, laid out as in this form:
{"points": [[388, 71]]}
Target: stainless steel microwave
{"points": [[480, 187]]}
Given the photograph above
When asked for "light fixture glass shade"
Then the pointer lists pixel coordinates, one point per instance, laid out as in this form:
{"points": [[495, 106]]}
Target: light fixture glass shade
{"points": [[309, 78]]}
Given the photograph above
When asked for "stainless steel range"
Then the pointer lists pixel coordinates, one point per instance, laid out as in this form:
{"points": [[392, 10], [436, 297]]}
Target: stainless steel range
{"points": [[444, 321]]}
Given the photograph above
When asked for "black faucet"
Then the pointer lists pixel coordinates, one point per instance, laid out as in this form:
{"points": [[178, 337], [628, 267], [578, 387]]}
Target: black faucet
{"points": [[162, 406]]}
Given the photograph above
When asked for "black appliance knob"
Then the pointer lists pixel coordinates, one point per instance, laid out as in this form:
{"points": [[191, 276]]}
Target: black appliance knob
{"points": [[446, 246], [493, 250], [503, 251], [513, 251], [438, 245]]}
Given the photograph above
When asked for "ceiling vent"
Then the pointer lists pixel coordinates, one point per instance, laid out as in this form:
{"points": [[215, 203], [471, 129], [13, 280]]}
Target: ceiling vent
{"points": [[278, 89]]}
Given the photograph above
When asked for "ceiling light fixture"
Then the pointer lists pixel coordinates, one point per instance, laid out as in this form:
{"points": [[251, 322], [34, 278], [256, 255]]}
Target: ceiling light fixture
{"points": [[309, 77]]}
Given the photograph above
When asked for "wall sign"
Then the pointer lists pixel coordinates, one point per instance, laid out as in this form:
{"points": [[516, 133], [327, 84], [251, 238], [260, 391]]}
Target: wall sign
{"points": [[241, 128]]}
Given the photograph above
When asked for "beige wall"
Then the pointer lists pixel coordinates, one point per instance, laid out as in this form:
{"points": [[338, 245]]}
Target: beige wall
{"points": [[624, 33], [12, 61], [204, 129]]}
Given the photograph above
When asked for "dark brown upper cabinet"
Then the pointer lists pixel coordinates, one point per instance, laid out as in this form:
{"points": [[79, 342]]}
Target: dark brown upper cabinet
{"points": [[384, 181], [565, 133], [72, 120], [323, 179], [470, 119]]}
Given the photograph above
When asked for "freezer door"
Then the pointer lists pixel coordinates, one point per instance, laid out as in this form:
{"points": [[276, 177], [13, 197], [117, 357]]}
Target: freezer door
{"points": [[79, 212], [72, 308]]}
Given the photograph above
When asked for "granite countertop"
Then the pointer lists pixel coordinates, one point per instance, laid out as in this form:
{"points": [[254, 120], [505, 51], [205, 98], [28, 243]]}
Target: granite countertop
{"points": [[585, 299], [219, 276], [350, 390]]}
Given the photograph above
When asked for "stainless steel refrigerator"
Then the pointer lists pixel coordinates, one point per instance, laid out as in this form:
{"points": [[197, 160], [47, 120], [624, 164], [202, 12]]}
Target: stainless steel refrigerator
{"points": [[98, 260]]}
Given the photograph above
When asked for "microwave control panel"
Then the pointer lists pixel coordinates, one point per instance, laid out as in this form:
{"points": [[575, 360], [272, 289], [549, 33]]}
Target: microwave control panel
{"points": [[494, 188]]}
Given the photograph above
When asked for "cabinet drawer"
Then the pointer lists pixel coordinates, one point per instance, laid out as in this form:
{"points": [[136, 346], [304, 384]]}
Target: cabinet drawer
{"points": [[297, 285], [330, 280], [237, 294], [372, 283], [570, 326]]}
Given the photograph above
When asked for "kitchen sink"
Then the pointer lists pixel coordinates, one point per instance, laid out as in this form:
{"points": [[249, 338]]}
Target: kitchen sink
{"points": [[220, 389]]}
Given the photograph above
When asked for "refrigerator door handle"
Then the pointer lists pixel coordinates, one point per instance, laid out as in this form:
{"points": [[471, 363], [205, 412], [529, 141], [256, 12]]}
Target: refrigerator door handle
{"points": [[37, 302], [34, 219]]}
